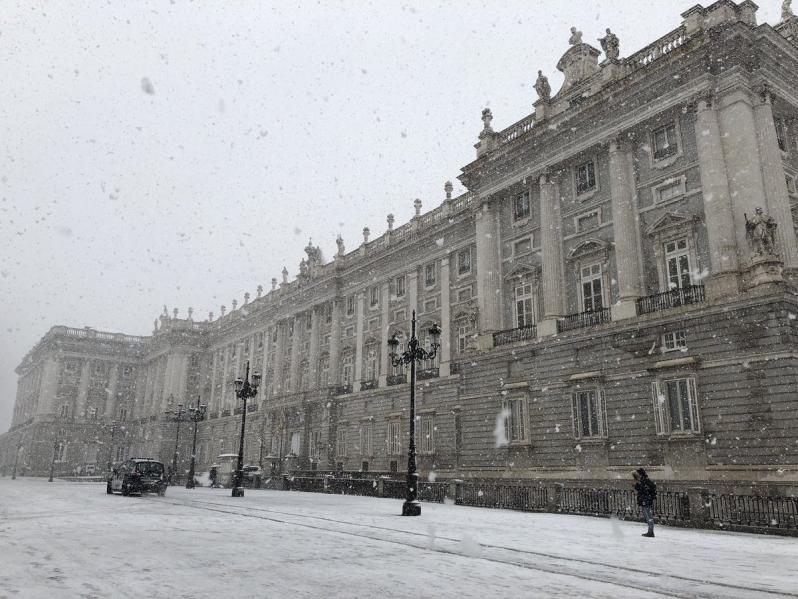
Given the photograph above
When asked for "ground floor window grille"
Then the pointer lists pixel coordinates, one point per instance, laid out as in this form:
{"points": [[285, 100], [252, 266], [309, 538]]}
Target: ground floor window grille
{"points": [[394, 437], [340, 446], [296, 441], [589, 414], [366, 434], [515, 420], [428, 434]]}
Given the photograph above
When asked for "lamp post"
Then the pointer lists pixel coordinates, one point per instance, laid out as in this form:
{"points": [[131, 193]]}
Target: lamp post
{"points": [[111, 448], [52, 461], [244, 390], [413, 354], [176, 416], [196, 415]]}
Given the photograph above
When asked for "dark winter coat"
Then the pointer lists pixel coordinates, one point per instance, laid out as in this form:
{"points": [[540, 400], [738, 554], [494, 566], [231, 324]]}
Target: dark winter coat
{"points": [[646, 489]]}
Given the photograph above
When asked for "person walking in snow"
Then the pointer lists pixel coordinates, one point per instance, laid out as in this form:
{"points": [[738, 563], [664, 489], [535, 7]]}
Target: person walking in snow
{"points": [[646, 494]]}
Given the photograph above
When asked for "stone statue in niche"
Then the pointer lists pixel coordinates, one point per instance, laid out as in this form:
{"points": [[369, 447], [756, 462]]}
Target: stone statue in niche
{"points": [[786, 10], [576, 37], [542, 87], [761, 233], [611, 45]]}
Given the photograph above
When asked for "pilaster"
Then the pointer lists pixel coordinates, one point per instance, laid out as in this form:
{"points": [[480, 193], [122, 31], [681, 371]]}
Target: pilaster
{"points": [[335, 345], [385, 293], [49, 387], [446, 323], [489, 282], [551, 250], [296, 344], [313, 357], [83, 388], [359, 318], [109, 411]]}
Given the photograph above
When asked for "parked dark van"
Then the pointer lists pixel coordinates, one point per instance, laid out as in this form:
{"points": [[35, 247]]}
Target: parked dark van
{"points": [[137, 475]]}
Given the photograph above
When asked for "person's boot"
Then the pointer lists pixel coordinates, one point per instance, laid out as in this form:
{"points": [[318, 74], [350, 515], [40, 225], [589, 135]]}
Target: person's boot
{"points": [[650, 533]]}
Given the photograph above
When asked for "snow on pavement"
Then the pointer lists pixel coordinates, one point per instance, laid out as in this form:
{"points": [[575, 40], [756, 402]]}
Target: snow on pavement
{"points": [[72, 540]]}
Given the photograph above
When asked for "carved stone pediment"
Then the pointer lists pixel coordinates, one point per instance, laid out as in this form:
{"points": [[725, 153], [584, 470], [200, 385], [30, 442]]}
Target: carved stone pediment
{"points": [[523, 269], [590, 248], [670, 221]]}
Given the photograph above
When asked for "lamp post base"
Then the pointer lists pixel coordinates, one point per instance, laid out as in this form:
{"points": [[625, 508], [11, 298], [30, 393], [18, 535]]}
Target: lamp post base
{"points": [[190, 483], [411, 508], [238, 491]]}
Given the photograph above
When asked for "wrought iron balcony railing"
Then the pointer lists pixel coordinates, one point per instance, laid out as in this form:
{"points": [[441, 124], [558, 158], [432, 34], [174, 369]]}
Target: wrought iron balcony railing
{"points": [[397, 379], [683, 296], [513, 335], [583, 320]]}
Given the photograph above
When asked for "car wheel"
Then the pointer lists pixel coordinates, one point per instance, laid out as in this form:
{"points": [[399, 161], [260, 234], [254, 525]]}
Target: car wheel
{"points": [[125, 490], [108, 488]]}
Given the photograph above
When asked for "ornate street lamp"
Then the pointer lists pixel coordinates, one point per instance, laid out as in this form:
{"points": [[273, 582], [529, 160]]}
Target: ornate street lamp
{"points": [[244, 390], [413, 354], [196, 415], [176, 416], [52, 461]]}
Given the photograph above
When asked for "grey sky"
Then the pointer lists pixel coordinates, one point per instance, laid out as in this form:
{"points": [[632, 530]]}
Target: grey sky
{"points": [[269, 124]]}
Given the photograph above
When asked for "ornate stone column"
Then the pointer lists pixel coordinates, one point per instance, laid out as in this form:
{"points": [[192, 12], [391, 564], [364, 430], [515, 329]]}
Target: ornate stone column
{"points": [[626, 230], [778, 199], [49, 387], [717, 203], [743, 163], [296, 345], [446, 322], [359, 317], [83, 389], [313, 357], [489, 280], [385, 292], [551, 250], [335, 345]]}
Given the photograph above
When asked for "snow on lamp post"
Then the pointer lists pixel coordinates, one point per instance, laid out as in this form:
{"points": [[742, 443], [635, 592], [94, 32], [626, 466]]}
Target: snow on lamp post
{"points": [[196, 415], [413, 354], [244, 390], [176, 416]]}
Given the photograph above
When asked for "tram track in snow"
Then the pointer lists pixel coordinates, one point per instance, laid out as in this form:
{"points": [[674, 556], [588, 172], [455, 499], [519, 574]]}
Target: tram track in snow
{"points": [[668, 585]]}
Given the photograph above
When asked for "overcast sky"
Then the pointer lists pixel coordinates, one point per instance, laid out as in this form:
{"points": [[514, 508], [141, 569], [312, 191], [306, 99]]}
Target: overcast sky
{"points": [[181, 153]]}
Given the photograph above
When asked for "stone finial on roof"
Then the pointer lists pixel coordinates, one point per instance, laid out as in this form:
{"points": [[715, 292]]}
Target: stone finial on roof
{"points": [[210, 316], [165, 311], [285, 275], [223, 310], [246, 297], [175, 313], [417, 206], [259, 290], [155, 326], [274, 283], [366, 233], [448, 188], [487, 117], [190, 313]]}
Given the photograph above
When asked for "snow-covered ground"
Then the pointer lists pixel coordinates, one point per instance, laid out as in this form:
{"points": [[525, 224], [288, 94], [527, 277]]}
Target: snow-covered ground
{"points": [[72, 540]]}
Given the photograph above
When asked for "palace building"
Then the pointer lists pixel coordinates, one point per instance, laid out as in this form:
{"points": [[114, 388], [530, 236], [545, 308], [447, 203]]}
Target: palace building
{"points": [[616, 289]]}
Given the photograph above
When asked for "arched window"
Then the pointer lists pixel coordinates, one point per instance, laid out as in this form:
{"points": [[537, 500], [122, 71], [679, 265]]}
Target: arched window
{"points": [[372, 362]]}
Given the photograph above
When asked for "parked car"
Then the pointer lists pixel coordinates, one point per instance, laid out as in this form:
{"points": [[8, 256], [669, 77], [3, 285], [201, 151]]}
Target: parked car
{"points": [[137, 475], [251, 475]]}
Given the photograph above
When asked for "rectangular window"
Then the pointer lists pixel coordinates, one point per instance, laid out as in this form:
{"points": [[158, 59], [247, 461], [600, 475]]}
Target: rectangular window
{"points": [[677, 264], [296, 443], [464, 294], [371, 364], [464, 262], [70, 366], [374, 296], [589, 415], [515, 420], [374, 324], [585, 178], [431, 305], [315, 446], [399, 286], [669, 191], [676, 340], [465, 330], [65, 411], [394, 437], [349, 332], [429, 275], [346, 370], [588, 221], [522, 246], [324, 371], [524, 306], [592, 296], [792, 188], [350, 305], [127, 372], [123, 414], [521, 206], [665, 143], [427, 433], [676, 406], [340, 443], [366, 435]]}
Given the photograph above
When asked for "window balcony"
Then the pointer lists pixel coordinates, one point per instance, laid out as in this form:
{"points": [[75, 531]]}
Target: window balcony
{"points": [[512, 335], [341, 390], [583, 320], [427, 373], [397, 379], [675, 298], [366, 385]]}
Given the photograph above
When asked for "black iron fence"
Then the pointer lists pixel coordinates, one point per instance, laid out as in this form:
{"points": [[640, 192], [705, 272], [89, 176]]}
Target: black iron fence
{"points": [[674, 298], [583, 320], [513, 335], [676, 507]]}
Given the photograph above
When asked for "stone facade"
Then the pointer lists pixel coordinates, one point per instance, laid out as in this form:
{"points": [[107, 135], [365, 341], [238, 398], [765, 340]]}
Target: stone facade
{"points": [[601, 302]]}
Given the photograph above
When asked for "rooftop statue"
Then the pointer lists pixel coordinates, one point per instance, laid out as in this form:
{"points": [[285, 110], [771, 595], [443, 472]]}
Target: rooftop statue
{"points": [[576, 37], [611, 45], [786, 10], [339, 241], [542, 87]]}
